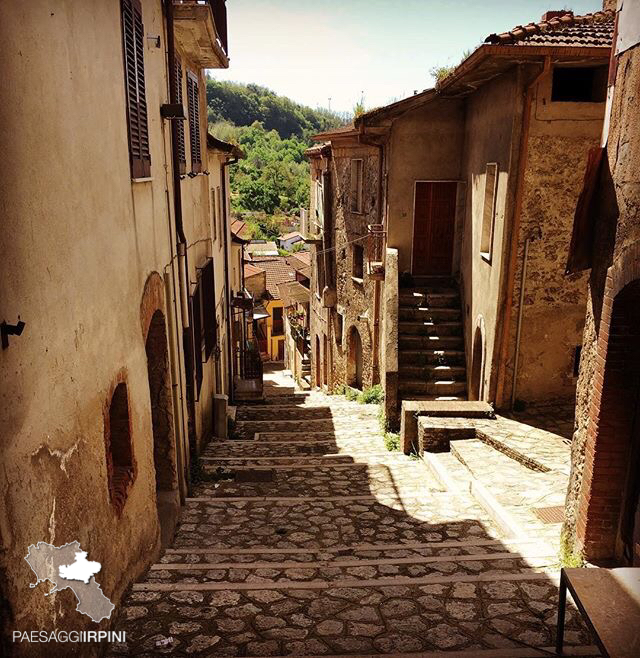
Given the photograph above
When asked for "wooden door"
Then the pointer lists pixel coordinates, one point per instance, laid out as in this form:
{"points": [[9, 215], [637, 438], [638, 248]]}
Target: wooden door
{"points": [[433, 227]]}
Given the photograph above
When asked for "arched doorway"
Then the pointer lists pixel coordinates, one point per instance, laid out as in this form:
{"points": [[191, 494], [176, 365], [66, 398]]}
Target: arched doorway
{"points": [[354, 359], [164, 457], [325, 363], [617, 444], [318, 363], [476, 391]]}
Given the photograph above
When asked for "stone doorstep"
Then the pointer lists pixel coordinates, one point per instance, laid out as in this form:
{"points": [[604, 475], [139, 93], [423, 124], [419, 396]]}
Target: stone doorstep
{"points": [[505, 521], [511, 652], [514, 541], [325, 584], [432, 559], [412, 409]]}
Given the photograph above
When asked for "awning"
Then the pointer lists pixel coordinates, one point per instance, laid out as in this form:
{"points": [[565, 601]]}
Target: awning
{"points": [[260, 312]]}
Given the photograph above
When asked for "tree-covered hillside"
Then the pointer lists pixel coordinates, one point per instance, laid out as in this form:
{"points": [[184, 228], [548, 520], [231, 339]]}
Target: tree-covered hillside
{"points": [[273, 131], [243, 104]]}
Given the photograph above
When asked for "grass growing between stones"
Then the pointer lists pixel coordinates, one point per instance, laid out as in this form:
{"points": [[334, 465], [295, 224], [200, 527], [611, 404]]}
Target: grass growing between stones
{"points": [[391, 439], [569, 557]]}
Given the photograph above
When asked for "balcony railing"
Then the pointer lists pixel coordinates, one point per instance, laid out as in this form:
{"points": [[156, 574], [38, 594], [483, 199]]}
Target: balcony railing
{"points": [[376, 239], [248, 363]]}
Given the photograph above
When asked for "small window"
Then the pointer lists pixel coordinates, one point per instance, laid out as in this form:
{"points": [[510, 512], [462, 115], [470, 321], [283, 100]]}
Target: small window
{"points": [[214, 214], [182, 158], [193, 102], [339, 328], [489, 209], [356, 185], [586, 84], [120, 471], [357, 269], [319, 272], [221, 214], [133, 39]]}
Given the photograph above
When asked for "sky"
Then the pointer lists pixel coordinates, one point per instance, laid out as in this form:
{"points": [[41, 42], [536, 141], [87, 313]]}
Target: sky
{"points": [[382, 50]]}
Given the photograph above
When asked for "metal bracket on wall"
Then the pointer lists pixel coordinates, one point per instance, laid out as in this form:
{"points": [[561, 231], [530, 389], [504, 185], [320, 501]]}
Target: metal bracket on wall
{"points": [[7, 330]]}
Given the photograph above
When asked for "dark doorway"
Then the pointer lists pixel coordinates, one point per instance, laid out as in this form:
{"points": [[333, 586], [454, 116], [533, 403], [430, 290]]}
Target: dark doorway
{"points": [[164, 457], [433, 227], [318, 363], [354, 359], [476, 389]]}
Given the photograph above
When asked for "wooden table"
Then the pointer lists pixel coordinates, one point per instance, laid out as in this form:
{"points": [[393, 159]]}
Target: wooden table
{"points": [[609, 601]]}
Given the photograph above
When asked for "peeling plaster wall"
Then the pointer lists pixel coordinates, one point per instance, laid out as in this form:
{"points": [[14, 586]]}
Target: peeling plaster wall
{"points": [[617, 234], [560, 137], [79, 242]]}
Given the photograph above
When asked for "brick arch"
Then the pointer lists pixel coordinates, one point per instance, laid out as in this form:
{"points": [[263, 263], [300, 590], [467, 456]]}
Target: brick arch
{"points": [[611, 442], [152, 301]]}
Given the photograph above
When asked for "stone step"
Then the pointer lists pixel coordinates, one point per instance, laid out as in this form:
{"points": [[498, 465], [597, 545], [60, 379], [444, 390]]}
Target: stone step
{"points": [[431, 299], [248, 428], [316, 480], [413, 342], [301, 460], [288, 412], [338, 569], [426, 313], [401, 512], [439, 388], [417, 328], [397, 553], [432, 356], [431, 372], [421, 397]]}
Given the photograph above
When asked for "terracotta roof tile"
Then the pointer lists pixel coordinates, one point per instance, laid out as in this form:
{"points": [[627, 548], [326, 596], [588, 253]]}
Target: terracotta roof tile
{"points": [[278, 271], [594, 29], [251, 270]]}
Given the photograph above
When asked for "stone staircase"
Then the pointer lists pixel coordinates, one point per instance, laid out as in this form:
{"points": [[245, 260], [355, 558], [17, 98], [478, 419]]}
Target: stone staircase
{"points": [[306, 537], [430, 341]]}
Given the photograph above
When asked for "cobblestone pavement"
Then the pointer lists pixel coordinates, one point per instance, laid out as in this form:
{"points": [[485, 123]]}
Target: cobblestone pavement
{"points": [[324, 544]]}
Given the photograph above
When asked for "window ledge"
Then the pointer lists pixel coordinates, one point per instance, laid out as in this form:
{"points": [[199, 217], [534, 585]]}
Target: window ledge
{"points": [[357, 280], [486, 256], [147, 179]]}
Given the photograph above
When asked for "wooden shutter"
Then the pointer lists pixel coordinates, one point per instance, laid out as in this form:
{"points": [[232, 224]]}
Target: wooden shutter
{"points": [[208, 309], [182, 157], [193, 102], [133, 46]]}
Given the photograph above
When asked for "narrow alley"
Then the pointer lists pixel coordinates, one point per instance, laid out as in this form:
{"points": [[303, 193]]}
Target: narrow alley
{"points": [[325, 543]]}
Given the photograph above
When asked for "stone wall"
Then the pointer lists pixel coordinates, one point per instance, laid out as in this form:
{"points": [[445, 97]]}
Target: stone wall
{"points": [[616, 258]]}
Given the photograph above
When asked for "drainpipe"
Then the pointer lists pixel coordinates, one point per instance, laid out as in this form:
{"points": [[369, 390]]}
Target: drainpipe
{"points": [[513, 254], [536, 234], [183, 263], [227, 294]]}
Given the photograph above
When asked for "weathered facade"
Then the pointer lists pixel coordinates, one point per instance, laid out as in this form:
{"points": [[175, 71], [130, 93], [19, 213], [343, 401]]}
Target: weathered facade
{"points": [[108, 258], [345, 200], [602, 503], [478, 180]]}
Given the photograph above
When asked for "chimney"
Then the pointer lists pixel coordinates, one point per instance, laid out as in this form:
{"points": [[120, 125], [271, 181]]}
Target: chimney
{"points": [[548, 15]]}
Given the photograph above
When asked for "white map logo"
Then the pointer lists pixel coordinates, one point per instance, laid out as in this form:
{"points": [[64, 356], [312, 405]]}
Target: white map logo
{"points": [[67, 567]]}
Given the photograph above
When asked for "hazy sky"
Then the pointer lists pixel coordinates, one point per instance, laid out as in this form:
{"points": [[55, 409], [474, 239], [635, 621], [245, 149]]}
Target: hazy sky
{"points": [[311, 50]]}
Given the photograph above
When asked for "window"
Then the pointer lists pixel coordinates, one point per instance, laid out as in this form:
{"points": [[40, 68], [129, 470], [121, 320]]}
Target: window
{"points": [[278, 327], [319, 272], [576, 360], [339, 327], [489, 209], [221, 217], [203, 320], [579, 84], [119, 451], [214, 214], [356, 185], [193, 102], [180, 123], [357, 268], [133, 40]]}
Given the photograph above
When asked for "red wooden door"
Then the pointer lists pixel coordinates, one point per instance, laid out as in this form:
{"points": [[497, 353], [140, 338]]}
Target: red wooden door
{"points": [[433, 226]]}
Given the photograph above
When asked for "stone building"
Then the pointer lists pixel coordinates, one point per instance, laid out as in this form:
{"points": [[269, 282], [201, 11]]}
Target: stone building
{"points": [[602, 516], [471, 186], [113, 215]]}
